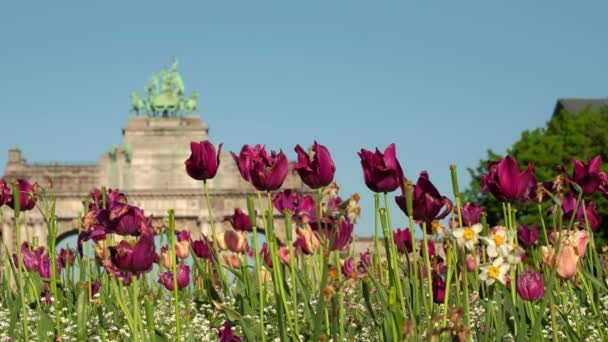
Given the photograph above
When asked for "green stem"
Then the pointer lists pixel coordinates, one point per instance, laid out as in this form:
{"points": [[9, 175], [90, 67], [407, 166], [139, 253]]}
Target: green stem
{"points": [[17, 210], [256, 256], [174, 269], [220, 269]]}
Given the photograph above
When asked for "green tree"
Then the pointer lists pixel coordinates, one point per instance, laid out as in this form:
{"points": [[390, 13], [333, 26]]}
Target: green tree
{"points": [[565, 137]]}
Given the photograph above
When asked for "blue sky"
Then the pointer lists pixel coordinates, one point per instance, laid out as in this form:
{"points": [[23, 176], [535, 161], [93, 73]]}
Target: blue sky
{"points": [[444, 80]]}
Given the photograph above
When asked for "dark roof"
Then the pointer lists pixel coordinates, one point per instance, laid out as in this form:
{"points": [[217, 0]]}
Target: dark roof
{"points": [[575, 105]]}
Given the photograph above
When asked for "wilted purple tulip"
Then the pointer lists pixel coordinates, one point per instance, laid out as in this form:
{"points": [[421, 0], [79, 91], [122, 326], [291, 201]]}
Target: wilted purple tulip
{"points": [[381, 171], [138, 258], [343, 235], [471, 214], [403, 240], [226, 334], [438, 289], [568, 206], [202, 249], [113, 197], [348, 268], [505, 181], [265, 172], [240, 221], [5, 192], [125, 219], [66, 256], [204, 161], [586, 175], [530, 285], [427, 202], [27, 196], [98, 233], [527, 236], [287, 199], [365, 262], [318, 171], [183, 277], [31, 259]]}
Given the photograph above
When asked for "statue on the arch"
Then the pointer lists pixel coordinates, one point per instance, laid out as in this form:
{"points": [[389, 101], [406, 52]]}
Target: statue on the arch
{"points": [[165, 95]]}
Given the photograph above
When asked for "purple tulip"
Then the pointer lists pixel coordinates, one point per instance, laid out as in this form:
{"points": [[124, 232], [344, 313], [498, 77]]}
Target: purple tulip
{"points": [[183, 277], [343, 235], [287, 200], [202, 249], [471, 214], [527, 236], [31, 259], [226, 334], [5, 192], [438, 286], [530, 285], [138, 258], [204, 161], [381, 171], [27, 196], [318, 171], [265, 172], [427, 201], [348, 267], [403, 240], [365, 262], [45, 266], [302, 207], [505, 181], [568, 205], [127, 219], [586, 175], [95, 286], [241, 221], [113, 197], [66, 256], [96, 234]]}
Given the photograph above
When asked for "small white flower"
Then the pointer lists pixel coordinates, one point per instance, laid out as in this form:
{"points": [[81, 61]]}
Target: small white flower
{"points": [[499, 243], [497, 270], [467, 236]]}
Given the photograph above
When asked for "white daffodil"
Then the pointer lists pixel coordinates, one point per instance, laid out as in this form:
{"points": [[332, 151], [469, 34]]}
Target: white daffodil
{"points": [[499, 243], [514, 256], [467, 236], [496, 271]]}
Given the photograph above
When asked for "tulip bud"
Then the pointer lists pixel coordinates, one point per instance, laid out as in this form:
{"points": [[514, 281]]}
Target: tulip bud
{"points": [[527, 236], [318, 171], [166, 257], [381, 171], [183, 277], [265, 172], [182, 249], [438, 286], [27, 196], [284, 255], [309, 240], [235, 241], [348, 268], [471, 263], [220, 241], [530, 285], [204, 161], [240, 221]]}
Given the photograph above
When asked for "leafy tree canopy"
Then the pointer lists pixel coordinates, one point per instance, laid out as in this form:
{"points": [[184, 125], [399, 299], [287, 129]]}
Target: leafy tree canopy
{"points": [[565, 137]]}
